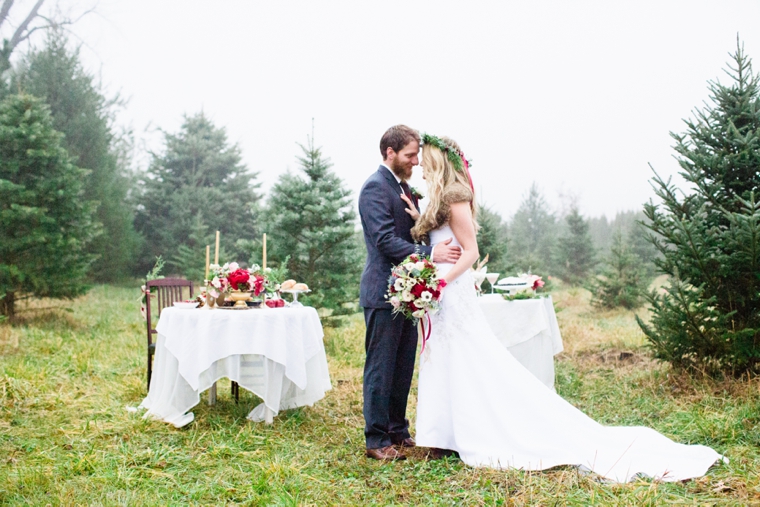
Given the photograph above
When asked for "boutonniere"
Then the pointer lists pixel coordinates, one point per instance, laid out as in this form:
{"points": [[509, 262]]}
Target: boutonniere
{"points": [[416, 193]]}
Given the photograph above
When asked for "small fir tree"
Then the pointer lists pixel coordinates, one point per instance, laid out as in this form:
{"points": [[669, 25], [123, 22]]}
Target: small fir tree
{"points": [[575, 254], [196, 187], [621, 281], [311, 219], [81, 111], [493, 240], [709, 238], [532, 234], [45, 223]]}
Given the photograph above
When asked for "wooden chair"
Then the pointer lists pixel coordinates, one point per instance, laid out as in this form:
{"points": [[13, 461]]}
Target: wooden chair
{"points": [[168, 290]]}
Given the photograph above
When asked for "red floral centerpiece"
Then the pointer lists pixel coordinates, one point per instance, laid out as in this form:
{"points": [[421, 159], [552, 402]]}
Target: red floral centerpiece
{"points": [[231, 278]]}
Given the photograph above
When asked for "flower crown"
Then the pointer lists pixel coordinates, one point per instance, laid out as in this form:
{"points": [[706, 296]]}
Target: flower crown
{"points": [[456, 157]]}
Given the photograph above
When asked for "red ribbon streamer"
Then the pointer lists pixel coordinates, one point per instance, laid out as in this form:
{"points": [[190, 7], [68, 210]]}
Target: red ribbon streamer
{"points": [[425, 336], [469, 177]]}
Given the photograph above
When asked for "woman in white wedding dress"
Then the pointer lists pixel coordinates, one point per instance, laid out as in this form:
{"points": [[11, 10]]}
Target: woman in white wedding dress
{"points": [[476, 399]]}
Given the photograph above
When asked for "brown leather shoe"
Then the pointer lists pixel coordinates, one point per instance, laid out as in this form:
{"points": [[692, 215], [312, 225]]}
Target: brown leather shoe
{"points": [[388, 453], [406, 442]]}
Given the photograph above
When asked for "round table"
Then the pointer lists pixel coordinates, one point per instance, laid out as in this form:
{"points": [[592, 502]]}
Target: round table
{"points": [[276, 353], [528, 329]]}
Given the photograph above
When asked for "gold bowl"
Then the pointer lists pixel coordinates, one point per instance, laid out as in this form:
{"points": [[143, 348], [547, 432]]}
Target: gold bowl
{"points": [[240, 297]]}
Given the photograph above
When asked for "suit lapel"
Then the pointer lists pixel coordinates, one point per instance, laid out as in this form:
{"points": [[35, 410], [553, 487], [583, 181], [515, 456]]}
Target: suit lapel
{"points": [[388, 175]]}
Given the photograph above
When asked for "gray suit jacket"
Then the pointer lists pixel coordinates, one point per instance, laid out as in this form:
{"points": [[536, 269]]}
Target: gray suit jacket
{"points": [[386, 233]]}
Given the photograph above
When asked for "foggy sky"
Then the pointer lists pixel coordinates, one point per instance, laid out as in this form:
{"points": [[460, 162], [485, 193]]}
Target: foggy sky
{"points": [[576, 96]]}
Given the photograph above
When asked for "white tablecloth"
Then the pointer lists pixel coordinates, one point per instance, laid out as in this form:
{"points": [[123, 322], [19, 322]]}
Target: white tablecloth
{"points": [[276, 353], [528, 329]]}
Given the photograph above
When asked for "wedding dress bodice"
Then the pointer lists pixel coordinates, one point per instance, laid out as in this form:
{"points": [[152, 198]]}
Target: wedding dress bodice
{"points": [[439, 235], [442, 233]]}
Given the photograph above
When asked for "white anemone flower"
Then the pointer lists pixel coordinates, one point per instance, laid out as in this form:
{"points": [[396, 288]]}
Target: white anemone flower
{"points": [[399, 284], [409, 266], [419, 265], [407, 296], [426, 296]]}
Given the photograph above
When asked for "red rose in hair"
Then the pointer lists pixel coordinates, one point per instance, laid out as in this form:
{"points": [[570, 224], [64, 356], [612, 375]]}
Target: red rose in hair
{"points": [[239, 279]]}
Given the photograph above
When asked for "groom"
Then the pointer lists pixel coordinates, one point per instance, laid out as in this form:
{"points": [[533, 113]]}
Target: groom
{"points": [[391, 341]]}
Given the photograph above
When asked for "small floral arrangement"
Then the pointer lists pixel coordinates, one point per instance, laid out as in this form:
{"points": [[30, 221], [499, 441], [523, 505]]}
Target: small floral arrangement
{"points": [[416, 193], [532, 284], [231, 276], [414, 288]]}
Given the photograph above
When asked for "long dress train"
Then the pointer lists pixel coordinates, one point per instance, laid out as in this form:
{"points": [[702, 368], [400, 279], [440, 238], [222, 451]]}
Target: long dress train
{"points": [[475, 398]]}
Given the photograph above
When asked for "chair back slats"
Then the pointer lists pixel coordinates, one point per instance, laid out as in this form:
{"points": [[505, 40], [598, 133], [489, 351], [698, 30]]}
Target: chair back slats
{"points": [[168, 290]]}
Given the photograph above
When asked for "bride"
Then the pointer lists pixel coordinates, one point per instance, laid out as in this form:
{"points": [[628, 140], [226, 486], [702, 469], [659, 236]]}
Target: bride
{"points": [[476, 399]]}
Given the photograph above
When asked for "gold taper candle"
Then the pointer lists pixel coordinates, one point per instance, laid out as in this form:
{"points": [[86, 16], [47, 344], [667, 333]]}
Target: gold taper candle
{"points": [[264, 255], [216, 251], [208, 253]]}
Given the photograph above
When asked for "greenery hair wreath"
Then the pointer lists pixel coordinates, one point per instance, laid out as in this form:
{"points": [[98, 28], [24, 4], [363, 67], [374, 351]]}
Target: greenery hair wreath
{"points": [[456, 157]]}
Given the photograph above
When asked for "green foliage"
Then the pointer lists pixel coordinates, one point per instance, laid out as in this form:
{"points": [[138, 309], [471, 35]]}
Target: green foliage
{"points": [[621, 282], [575, 254], [493, 240], [85, 116], [532, 234], [45, 221], [312, 220], [197, 186], [709, 316]]}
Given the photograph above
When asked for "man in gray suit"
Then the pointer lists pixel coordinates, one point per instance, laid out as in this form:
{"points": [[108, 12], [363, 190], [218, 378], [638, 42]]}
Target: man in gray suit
{"points": [[391, 341]]}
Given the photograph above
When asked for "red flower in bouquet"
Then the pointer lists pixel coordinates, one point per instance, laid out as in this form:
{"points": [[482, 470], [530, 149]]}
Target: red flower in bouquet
{"points": [[259, 283], [239, 279]]}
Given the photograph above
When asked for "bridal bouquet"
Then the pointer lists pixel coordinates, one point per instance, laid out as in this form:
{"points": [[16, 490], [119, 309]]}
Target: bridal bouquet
{"points": [[231, 276], [414, 290]]}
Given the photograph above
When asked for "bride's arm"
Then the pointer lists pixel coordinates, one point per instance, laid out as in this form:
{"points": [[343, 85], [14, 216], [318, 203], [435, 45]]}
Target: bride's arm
{"points": [[461, 225]]}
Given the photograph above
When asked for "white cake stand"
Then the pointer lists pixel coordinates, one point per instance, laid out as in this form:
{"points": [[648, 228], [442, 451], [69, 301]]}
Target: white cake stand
{"points": [[295, 293]]}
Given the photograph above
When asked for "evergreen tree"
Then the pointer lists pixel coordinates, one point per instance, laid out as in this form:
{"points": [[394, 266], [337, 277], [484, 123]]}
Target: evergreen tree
{"points": [[621, 282], [196, 187], [85, 116], [45, 222], [575, 254], [709, 238], [493, 240], [532, 234], [311, 218]]}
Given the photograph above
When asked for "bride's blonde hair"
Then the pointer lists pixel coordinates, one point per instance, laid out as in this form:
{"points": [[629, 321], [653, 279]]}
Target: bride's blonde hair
{"points": [[443, 180]]}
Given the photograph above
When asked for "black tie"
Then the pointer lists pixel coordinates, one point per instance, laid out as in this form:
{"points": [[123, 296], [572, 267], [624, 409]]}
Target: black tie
{"points": [[405, 188]]}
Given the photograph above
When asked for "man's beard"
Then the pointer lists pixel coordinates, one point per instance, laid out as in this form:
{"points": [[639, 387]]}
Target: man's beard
{"points": [[399, 170]]}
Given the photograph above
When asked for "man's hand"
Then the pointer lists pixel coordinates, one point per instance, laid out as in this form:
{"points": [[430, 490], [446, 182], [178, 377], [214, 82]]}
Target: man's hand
{"points": [[446, 253]]}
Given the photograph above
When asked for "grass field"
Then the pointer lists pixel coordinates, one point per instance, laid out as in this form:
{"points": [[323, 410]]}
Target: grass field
{"points": [[66, 438]]}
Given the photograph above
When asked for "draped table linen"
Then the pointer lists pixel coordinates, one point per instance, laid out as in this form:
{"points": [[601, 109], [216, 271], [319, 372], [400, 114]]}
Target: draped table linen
{"points": [[528, 329], [276, 353]]}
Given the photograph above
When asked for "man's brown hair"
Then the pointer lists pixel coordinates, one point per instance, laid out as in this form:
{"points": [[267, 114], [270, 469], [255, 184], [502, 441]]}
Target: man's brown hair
{"points": [[397, 137]]}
